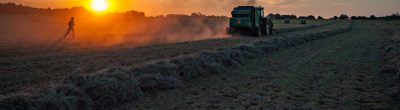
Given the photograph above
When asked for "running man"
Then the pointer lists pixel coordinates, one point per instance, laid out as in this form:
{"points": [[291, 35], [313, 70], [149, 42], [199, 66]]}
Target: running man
{"points": [[71, 25]]}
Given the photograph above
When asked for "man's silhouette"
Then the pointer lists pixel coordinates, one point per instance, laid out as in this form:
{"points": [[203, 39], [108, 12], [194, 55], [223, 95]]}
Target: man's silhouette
{"points": [[270, 25], [71, 25]]}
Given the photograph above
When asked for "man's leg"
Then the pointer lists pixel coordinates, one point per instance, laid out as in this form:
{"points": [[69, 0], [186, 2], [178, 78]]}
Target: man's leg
{"points": [[66, 34], [73, 32], [270, 31]]}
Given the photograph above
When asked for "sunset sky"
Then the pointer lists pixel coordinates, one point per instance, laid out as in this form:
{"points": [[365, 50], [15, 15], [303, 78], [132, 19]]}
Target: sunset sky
{"points": [[325, 8]]}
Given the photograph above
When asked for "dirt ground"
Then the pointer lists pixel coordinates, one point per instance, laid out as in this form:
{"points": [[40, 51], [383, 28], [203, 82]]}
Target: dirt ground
{"points": [[339, 72]]}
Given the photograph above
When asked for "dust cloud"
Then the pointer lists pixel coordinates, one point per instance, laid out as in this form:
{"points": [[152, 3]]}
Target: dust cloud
{"points": [[108, 30], [28, 29]]}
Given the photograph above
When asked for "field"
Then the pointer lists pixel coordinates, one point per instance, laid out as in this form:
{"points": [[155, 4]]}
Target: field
{"points": [[339, 72], [333, 66], [28, 64]]}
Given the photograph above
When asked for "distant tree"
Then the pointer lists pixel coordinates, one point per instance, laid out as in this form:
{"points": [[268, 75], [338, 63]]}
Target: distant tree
{"points": [[311, 17], [373, 17], [353, 17], [135, 13], [288, 16], [198, 14], [271, 15], [363, 17], [294, 17], [279, 16], [275, 16], [334, 17], [320, 17], [358, 17], [394, 16], [302, 17], [343, 16]]}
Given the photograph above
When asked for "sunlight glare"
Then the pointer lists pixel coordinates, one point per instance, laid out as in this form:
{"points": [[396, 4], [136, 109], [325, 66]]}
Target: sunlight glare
{"points": [[99, 5]]}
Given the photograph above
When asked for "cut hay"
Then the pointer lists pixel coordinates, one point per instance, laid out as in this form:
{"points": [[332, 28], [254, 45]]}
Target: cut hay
{"points": [[237, 57], [162, 67], [391, 69], [302, 27], [114, 86], [152, 83], [214, 60], [265, 46], [107, 88], [191, 67], [19, 102], [248, 50]]}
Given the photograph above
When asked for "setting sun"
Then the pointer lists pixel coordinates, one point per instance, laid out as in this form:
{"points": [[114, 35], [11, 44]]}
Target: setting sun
{"points": [[99, 5]]}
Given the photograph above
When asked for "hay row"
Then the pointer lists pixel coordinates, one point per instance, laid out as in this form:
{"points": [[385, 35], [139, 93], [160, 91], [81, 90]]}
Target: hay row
{"points": [[292, 29], [114, 86], [391, 69]]}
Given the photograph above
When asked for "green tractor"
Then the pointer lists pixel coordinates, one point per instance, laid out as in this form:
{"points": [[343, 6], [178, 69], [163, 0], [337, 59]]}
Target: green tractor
{"points": [[249, 20]]}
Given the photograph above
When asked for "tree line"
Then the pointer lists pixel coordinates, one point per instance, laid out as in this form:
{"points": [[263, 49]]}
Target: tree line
{"points": [[12, 8], [279, 16], [394, 16], [19, 9]]}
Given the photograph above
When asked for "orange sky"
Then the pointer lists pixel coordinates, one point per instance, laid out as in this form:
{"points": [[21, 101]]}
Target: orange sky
{"points": [[326, 8]]}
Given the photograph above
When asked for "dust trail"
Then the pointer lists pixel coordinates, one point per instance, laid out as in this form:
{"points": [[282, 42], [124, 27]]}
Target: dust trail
{"points": [[58, 44], [108, 31]]}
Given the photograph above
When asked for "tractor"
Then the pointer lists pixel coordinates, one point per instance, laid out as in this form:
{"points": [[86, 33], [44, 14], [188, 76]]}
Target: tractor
{"points": [[249, 20]]}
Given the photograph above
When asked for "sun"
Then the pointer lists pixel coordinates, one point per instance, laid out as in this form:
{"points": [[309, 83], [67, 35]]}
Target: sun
{"points": [[99, 5]]}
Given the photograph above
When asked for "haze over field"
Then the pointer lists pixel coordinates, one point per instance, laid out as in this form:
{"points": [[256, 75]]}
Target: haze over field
{"points": [[325, 8]]}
